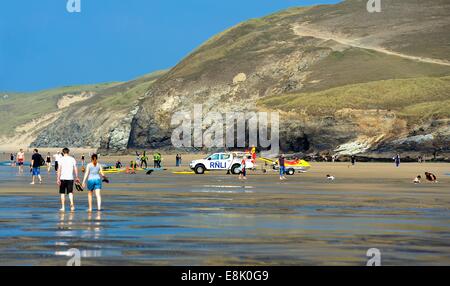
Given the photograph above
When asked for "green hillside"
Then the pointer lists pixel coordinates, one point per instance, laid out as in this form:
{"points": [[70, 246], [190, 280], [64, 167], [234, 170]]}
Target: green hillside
{"points": [[419, 98], [20, 108]]}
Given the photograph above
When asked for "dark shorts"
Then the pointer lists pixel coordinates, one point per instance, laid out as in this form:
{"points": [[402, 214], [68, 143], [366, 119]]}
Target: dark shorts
{"points": [[56, 165], [66, 187], [20, 163]]}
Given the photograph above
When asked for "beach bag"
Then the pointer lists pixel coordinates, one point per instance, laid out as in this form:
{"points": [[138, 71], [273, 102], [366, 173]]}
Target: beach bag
{"points": [[42, 163]]}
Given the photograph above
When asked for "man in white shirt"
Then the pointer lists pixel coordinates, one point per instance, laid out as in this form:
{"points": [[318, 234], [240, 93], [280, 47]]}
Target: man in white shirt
{"points": [[67, 167]]}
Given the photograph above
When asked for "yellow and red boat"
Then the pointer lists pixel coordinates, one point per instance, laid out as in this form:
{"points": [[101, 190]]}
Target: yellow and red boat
{"points": [[292, 165]]}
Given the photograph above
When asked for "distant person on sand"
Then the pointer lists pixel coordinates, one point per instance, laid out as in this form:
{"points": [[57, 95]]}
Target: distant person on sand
{"points": [[243, 173], [20, 160], [48, 161], [431, 177], [397, 160], [144, 159], [178, 160], [417, 180], [56, 158], [67, 167], [13, 162], [132, 168], [138, 159], [159, 159], [118, 164], [36, 163], [155, 160], [282, 167], [94, 175], [82, 160], [353, 160]]}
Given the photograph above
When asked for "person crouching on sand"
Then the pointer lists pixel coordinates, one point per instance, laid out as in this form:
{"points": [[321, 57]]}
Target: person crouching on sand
{"points": [[330, 178], [418, 179], [431, 177], [94, 175], [67, 167]]}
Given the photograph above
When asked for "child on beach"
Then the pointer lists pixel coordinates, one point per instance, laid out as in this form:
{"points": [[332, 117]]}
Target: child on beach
{"points": [[243, 174], [417, 179]]}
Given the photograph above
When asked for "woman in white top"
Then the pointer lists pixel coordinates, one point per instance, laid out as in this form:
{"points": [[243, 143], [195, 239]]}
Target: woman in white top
{"points": [[94, 175]]}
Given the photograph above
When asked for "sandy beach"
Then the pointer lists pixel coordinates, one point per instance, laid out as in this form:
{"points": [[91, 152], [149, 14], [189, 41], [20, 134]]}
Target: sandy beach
{"points": [[214, 219]]}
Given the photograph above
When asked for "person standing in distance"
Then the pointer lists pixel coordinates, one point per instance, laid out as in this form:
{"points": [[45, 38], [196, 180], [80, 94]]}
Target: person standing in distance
{"points": [[36, 163], [56, 158], [67, 167], [20, 160]]}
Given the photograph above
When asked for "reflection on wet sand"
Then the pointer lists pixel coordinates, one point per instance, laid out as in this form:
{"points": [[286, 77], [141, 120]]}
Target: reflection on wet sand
{"points": [[216, 220]]}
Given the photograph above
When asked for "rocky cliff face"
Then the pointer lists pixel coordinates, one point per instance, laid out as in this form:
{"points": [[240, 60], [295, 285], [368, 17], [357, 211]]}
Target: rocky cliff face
{"points": [[104, 118], [343, 80], [309, 50]]}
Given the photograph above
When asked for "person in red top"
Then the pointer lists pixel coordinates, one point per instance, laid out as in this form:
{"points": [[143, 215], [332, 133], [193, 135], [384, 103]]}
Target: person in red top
{"points": [[243, 174], [253, 153]]}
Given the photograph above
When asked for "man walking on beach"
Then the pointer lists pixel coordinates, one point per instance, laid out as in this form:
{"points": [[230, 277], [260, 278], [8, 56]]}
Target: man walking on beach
{"points": [[282, 167], [36, 163], [67, 167], [20, 160]]}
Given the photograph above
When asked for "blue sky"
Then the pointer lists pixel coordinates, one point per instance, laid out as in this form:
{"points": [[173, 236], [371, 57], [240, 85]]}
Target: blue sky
{"points": [[43, 46]]}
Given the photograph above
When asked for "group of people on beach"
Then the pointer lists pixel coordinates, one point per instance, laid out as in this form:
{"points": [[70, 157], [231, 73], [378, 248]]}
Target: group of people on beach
{"points": [[67, 175]]}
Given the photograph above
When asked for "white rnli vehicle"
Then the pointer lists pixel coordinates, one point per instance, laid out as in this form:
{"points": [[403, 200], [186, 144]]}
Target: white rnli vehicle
{"points": [[221, 162]]}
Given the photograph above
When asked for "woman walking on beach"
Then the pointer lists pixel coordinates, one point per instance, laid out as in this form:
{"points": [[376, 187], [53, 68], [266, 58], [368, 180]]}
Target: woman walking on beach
{"points": [[94, 175], [397, 160], [48, 161]]}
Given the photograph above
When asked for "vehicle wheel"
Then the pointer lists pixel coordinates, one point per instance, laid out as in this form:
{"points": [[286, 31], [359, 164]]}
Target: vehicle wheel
{"points": [[199, 169], [290, 172], [235, 169]]}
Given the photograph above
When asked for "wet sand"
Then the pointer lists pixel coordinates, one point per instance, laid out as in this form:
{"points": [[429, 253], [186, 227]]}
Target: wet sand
{"points": [[213, 219]]}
